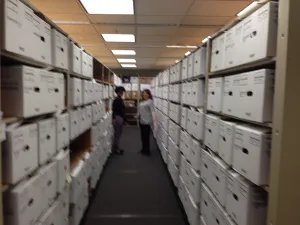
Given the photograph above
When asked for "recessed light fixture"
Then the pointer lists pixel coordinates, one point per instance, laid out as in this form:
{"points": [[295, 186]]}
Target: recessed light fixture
{"points": [[248, 8], [129, 65], [123, 52], [118, 7], [126, 60], [187, 53], [205, 39], [118, 37], [181, 46]]}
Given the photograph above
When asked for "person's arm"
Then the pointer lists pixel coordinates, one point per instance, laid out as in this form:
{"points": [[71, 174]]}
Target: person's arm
{"points": [[152, 109], [115, 107]]}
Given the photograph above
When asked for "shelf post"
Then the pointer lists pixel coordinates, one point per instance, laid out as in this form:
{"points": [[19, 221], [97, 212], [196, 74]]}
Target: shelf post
{"points": [[284, 194]]}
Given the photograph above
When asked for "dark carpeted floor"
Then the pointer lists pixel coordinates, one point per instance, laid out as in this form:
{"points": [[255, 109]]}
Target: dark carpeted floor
{"points": [[135, 189]]}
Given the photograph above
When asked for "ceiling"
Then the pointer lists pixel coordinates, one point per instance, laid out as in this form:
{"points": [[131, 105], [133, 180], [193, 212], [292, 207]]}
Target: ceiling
{"points": [[156, 23]]}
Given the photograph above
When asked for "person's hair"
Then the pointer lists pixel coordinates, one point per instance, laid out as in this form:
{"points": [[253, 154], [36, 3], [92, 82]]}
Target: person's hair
{"points": [[119, 89], [148, 92]]}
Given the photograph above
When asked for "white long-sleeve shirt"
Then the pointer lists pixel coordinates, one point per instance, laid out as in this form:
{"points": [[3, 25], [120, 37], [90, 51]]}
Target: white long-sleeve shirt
{"points": [[146, 110]]}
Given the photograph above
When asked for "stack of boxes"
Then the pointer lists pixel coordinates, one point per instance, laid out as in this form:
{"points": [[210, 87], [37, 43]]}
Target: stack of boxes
{"points": [[43, 187], [224, 156]]}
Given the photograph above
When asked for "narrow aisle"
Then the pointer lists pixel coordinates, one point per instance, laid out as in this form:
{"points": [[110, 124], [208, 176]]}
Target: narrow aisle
{"points": [[135, 189]]}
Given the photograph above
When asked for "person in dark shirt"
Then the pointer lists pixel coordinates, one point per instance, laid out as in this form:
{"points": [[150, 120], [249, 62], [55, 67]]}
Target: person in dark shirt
{"points": [[118, 108]]}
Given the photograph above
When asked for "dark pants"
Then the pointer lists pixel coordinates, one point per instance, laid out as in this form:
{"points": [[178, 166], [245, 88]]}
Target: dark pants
{"points": [[118, 128], [145, 135]]}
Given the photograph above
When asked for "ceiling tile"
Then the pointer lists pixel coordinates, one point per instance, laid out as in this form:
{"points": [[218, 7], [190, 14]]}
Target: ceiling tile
{"points": [[205, 20], [152, 39], [74, 17], [156, 30], [78, 28], [112, 19], [148, 52], [87, 39], [165, 7], [110, 29], [159, 19], [58, 6], [217, 8], [173, 53]]}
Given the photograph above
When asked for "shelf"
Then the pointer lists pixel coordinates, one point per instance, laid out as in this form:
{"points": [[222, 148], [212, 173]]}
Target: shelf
{"points": [[193, 78], [268, 125], [80, 76], [76, 157], [260, 64], [9, 120]]}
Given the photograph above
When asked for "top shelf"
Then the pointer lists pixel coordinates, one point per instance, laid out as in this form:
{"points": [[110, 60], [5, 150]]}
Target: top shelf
{"points": [[260, 64]]}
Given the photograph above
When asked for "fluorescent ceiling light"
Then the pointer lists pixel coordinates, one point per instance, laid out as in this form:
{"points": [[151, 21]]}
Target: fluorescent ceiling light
{"points": [[181, 46], [205, 39], [187, 53], [248, 8], [123, 52], [126, 60], [129, 65], [119, 37], [118, 7]]}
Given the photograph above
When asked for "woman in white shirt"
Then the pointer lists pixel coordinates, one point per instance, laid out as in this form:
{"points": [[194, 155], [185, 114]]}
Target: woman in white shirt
{"points": [[146, 110]]}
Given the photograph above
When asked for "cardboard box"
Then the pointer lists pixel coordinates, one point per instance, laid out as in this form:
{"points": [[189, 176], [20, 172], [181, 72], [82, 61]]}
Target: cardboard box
{"points": [[17, 19], [48, 184], [75, 92], [212, 132], [215, 94], [74, 58], [55, 83], [22, 85], [49, 217], [184, 116], [199, 62], [90, 65], [231, 99], [245, 203], [23, 202], [173, 170], [63, 169], [219, 178], [78, 181], [251, 154], [198, 93], [194, 186], [202, 221], [207, 167], [198, 124], [174, 152], [233, 45], [192, 211], [185, 170], [195, 154], [74, 124], [190, 65], [47, 139], [226, 140], [85, 92], [206, 204], [88, 167], [190, 119], [84, 66], [184, 69], [20, 152], [260, 33], [219, 215], [217, 53], [256, 96], [60, 49], [185, 143], [62, 130], [164, 153]]}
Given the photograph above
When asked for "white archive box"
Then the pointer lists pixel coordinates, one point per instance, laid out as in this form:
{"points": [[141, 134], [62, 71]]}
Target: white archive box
{"points": [[75, 92], [74, 58], [260, 33], [190, 65], [60, 50], [74, 123], [184, 93], [245, 202], [20, 152], [219, 179], [47, 139], [195, 154], [49, 217], [219, 215], [199, 62], [24, 87], [174, 132], [84, 66], [202, 221], [226, 140], [207, 167], [85, 92], [63, 169], [87, 166], [18, 20], [78, 181], [90, 65], [198, 124], [185, 170], [193, 211], [197, 93], [251, 153], [173, 170], [194, 186], [215, 94], [189, 99], [206, 204], [231, 99], [91, 90], [42, 40], [164, 153], [217, 53], [190, 119], [174, 152], [80, 206], [185, 143], [256, 92], [23, 202], [62, 130], [184, 116], [184, 69], [56, 90], [233, 45], [212, 132]]}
